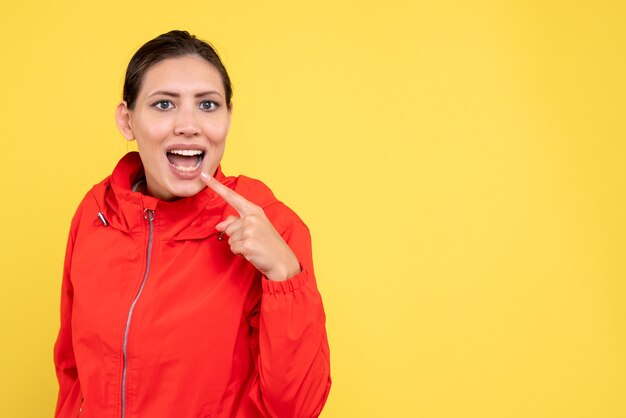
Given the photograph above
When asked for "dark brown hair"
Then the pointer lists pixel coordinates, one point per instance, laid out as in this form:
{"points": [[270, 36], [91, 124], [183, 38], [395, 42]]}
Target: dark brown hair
{"points": [[172, 44]]}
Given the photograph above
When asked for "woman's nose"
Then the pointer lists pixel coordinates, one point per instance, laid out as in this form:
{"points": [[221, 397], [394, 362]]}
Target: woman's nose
{"points": [[186, 123]]}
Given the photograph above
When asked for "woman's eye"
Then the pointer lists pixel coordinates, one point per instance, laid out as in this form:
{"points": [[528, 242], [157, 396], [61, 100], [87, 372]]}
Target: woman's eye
{"points": [[208, 105], [163, 105]]}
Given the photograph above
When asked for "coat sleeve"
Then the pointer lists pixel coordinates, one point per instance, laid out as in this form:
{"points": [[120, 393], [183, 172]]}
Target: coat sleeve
{"points": [[293, 355], [69, 396]]}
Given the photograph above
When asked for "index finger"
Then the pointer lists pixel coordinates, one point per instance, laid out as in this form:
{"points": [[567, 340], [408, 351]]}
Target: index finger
{"points": [[237, 201]]}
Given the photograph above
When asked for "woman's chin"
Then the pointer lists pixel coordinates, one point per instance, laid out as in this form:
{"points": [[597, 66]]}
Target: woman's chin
{"points": [[177, 189], [190, 188]]}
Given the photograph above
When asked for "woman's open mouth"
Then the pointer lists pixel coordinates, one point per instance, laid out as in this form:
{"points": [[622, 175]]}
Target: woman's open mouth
{"points": [[185, 160]]}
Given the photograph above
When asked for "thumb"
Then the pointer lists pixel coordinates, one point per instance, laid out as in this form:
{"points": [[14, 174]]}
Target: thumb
{"points": [[224, 224]]}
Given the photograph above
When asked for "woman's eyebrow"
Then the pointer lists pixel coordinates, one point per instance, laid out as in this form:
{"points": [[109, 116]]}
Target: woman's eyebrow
{"points": [[176, 95], [208, 93]]}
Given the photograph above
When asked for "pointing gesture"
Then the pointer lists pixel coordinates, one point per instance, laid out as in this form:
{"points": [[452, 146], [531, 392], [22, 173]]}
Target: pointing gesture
{"points": [[253, 236]]}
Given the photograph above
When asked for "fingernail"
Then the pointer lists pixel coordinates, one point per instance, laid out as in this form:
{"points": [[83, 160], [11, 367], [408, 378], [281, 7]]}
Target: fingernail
{"points": [[205, 175]]}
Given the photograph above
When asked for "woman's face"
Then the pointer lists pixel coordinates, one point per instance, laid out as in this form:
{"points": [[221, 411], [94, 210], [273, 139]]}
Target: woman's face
{"points": [[180, 122]]}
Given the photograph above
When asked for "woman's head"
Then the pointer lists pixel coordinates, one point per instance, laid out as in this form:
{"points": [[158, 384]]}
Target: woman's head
{"points": [[172, 44], [177, 107]]}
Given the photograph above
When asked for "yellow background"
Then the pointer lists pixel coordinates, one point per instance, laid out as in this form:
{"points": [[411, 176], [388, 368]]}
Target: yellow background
{"points": [[462, 166]]}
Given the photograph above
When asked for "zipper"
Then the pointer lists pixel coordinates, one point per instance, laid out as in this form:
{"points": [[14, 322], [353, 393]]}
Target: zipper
{"points": [[148, 214]]}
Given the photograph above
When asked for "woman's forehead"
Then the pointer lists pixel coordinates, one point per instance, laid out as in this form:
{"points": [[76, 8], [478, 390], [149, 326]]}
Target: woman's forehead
{"points": [[189, 74]]}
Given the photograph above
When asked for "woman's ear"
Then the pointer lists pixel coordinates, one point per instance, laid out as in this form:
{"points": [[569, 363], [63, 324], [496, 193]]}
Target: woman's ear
{"points": [[122, 119]]}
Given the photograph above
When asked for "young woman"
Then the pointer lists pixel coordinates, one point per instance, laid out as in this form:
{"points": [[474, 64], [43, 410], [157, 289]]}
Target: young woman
{"points": [[186, 293]]}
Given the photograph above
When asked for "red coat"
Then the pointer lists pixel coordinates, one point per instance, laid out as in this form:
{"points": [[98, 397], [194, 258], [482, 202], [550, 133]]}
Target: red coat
{"points": [[159, 319]]}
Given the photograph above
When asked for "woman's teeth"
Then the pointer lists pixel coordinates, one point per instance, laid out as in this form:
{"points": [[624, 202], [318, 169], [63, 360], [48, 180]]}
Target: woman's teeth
{"points": [[186, 152], [185, 160], [186, 169]]}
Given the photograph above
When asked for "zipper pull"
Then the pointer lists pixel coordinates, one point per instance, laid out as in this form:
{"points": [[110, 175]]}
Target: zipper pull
{"points": [[148, 214], [102, 219]]}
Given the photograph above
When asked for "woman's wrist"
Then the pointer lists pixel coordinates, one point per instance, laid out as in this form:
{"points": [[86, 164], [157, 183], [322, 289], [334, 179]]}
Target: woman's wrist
{"points": [[285, 272]]}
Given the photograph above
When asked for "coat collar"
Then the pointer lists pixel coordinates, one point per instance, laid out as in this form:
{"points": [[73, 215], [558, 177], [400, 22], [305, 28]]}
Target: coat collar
{"points": [[192, 217]]}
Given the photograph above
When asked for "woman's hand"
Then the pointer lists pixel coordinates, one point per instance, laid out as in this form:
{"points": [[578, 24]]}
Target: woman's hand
{"points": [[253, 236]]}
